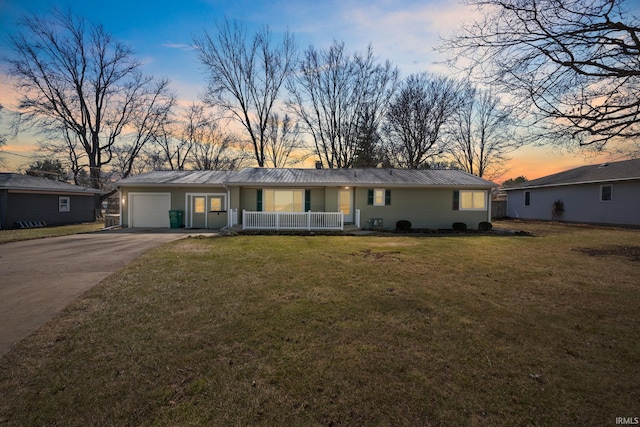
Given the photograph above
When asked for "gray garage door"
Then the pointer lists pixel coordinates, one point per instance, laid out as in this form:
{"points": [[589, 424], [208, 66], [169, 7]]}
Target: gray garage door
{"points": [[149, 209]]}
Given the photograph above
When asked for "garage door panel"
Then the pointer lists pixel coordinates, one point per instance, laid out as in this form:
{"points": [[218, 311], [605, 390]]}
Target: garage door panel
{"points": [[149, 209]]}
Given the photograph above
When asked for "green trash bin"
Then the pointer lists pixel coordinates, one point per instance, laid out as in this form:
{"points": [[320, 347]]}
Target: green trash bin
{"points": [[175, 219]]}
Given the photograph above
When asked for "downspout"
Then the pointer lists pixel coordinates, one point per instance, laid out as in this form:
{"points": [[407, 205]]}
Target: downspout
{"points": [[229, 211]]}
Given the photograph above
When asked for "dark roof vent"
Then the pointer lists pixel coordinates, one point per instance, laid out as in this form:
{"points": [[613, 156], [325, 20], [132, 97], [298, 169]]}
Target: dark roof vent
{"points": [[604, 165]]}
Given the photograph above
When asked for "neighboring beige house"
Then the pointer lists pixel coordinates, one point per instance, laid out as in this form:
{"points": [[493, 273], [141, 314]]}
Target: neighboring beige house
{"points": [[307, 199]]}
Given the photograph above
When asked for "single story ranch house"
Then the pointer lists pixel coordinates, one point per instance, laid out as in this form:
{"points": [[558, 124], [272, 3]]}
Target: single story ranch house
{"points": [[306, 199], [607, 193]]}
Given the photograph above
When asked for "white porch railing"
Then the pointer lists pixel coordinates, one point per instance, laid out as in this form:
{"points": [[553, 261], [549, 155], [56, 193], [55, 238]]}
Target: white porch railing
{"points": [[292, 220], [233, 217]]}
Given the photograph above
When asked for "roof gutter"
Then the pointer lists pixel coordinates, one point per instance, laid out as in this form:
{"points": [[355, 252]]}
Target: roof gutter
{"points": [[564, 184]]}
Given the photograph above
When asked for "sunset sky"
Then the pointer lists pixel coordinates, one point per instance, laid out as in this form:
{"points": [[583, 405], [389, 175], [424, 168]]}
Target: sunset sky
{"points": [[161, 32]]}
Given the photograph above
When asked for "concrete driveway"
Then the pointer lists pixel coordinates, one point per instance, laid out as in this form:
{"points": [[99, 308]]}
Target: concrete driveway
{"points": [[38, 278]]}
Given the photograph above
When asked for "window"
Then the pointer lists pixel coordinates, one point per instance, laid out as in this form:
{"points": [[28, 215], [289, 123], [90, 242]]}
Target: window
{"points": [[606, 193], [216, 204], [527, 198], [379, 197], [198, 205], [473, 200], [64, 204], [283, 200]]}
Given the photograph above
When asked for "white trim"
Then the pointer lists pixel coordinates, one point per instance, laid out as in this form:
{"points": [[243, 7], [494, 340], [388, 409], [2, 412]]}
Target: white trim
{"points": [[384, 196], [610, 195], [188, 211], [67, 205], [485, 208], [347, 218], [565, 184]]}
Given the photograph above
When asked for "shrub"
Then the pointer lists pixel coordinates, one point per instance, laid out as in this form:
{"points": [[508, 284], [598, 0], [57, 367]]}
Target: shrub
{"points": [[558, 209], [460, 226], [485, 226], [403, 225]]}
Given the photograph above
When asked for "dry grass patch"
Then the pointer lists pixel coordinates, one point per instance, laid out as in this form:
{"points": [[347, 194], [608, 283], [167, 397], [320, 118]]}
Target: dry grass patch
{"points": [[38, 233], [286, 330]]}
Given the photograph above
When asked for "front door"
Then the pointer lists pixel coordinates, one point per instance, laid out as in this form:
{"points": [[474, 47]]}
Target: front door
{"points": [[345, 204], [199, 212]]}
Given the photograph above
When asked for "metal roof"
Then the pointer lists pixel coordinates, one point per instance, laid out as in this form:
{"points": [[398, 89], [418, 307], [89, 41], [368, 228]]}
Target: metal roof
{"points": [[312, 177], [180, 178], [357, 177], [20, 182], [605, 172]]}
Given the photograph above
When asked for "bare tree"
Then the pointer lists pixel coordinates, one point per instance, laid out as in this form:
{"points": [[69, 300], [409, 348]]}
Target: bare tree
{"points": [[574, 63], [416, 118], [77, 79], [213, 148], [329, 94], [175, 143], [151, 113], [245, 76], [170, 150], [3, 141], [482, 133], [283, 137]]}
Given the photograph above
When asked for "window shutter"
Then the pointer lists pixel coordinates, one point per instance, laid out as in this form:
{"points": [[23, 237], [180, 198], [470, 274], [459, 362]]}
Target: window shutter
{"points": [[456, 200], [307, 200], [387, 197], [259, 201], [370, 197]]}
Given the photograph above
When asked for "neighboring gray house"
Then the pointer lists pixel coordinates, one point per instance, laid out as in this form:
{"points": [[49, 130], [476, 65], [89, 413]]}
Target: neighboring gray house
{"points": [[607, 193], [27, 201], [263, 198]]}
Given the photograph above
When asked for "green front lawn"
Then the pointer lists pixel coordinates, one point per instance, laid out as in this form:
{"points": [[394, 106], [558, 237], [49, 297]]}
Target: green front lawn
{"points": [[332, 330]]}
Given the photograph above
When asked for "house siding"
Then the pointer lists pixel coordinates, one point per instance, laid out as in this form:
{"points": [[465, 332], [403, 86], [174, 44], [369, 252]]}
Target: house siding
{"points": [[178, 202], [318, 199], [425, 208], [581, 203], [248, 200], [17, 206], [430, 208]]}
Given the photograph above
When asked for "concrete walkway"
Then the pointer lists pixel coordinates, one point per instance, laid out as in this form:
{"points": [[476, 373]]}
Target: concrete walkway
{"points": [[38, 278]]}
